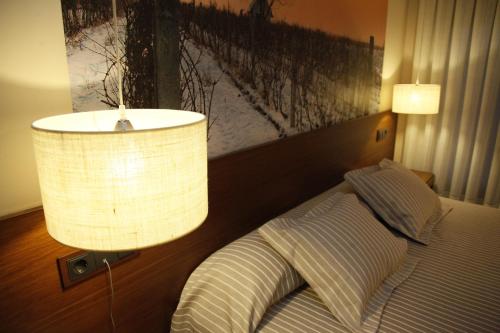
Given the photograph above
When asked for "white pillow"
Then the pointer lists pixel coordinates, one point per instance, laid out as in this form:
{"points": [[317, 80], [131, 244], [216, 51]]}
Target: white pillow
{"points": [[400, 197], [233, 288], [350, 260]]}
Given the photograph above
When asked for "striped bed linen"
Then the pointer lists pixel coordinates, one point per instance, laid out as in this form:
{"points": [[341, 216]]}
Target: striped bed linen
{"points": [[454, 288], [232, 289], [354, 282]]}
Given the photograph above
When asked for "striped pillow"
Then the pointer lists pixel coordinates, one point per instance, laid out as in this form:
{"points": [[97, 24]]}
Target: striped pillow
{"points": [[400, 198], [349, 259], [390, 164], [232, 289], [322, 207]]}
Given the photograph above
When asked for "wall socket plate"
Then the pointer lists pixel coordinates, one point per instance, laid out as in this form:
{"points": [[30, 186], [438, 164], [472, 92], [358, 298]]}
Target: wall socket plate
{"points": [[79, 266]]}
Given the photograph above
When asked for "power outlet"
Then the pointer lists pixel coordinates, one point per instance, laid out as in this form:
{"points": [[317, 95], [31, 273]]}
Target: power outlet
{"points": [[80, 266]]}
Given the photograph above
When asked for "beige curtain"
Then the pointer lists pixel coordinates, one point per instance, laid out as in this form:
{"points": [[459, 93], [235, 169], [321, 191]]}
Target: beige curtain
{"points": [[455, 43]]}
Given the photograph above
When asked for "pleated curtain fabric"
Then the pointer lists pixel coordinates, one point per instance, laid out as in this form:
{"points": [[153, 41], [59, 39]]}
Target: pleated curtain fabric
{"points": [[455, 43]]}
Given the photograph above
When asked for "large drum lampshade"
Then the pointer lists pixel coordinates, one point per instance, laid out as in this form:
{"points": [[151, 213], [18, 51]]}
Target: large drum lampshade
{"points": [[110, 190]]}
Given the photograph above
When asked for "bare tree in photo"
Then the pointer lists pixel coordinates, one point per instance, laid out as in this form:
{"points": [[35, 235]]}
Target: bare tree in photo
{"points": [[175, 53], [167, 54], [196, 88]]}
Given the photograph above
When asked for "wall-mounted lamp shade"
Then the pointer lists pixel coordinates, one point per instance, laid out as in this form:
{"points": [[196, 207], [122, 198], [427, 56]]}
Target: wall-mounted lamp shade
{"points": [[118, 190], [416, 98]]}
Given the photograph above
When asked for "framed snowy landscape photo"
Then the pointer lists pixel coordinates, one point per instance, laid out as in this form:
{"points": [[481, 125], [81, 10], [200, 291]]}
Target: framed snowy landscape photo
{"points": [[260, 70]]}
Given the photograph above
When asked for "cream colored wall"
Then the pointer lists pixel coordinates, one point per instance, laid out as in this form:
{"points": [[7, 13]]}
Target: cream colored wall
{"points": [[394, 50], [34, 83]]}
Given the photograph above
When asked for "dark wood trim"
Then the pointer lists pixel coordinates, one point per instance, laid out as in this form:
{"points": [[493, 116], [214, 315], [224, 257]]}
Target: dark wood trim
{"points": [[23, 212], [246, 189]]}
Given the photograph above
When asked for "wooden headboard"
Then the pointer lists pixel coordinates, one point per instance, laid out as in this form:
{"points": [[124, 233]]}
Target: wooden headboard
{"points": [[246, 189]]}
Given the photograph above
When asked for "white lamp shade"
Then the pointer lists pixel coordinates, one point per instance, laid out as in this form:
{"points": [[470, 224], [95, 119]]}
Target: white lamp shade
{"points": [[416, 98], [107, 190]]}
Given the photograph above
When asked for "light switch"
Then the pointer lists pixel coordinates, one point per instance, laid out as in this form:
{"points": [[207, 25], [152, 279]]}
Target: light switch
{"points": [[381, 134]]}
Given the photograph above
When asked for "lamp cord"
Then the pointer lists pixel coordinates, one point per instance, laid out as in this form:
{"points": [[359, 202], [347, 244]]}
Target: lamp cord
{"points": [[112, 298], [118, 63], [421, 43]]}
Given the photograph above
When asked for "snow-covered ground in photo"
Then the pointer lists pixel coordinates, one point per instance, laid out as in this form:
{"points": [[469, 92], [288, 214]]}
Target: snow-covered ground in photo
{"points": [[239, 116], [87, 66], [236, 124], [311, 117]]}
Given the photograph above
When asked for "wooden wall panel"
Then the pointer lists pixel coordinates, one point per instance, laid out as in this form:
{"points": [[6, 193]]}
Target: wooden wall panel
{"points": [[246, 189]]}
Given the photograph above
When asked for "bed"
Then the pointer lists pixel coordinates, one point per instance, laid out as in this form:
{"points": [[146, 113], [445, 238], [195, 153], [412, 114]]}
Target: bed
{"points": [[453, 286]]}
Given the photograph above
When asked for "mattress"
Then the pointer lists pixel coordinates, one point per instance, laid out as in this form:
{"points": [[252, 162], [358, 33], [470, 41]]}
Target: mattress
{"points": [[454, 288]]}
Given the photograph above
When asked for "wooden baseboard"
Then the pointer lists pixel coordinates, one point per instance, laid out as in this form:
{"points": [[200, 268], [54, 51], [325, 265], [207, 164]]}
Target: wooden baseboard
{"points": [[22, 212]]}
